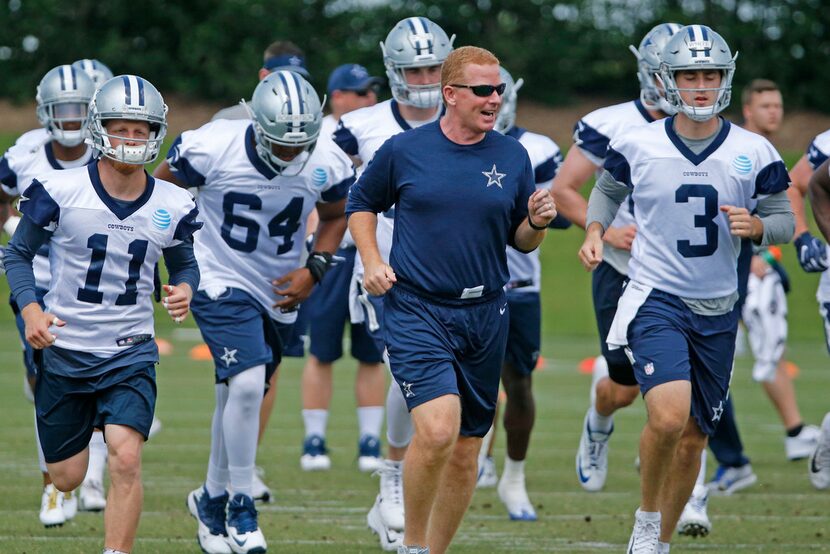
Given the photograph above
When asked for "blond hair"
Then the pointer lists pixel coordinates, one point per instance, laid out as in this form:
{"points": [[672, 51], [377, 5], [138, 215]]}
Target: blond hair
{"points": [[453, 69]]}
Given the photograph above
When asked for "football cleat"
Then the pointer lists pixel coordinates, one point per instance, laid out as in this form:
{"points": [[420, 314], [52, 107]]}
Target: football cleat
{"points": [[390, 499], [51, 507], [315, 454], [259, 490], [819, 463], [803, 444], [368, 454], [513, 495], [592, 458], [487, 475], [645, 535], [70, 505], [244, 534], [390, 539], [210, 515], [91, 497], [694, 521], [728, 480]]}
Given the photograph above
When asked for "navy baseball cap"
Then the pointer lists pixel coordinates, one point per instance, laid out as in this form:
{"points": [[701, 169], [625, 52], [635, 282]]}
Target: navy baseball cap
{"points": [[289, 62], [352, 76]]}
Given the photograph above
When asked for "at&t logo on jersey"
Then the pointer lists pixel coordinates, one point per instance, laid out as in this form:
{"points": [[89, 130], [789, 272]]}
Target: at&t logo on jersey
{"points": [[319, 176], [162, 219], [742, 164]]}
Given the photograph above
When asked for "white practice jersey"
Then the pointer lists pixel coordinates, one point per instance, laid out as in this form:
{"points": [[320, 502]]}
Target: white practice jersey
{"points": [[255, 219], [817, 153], [546, 158], [683, 244], [103, 254], [327, 128], [30, 157], [592, 134], [360, 133]]}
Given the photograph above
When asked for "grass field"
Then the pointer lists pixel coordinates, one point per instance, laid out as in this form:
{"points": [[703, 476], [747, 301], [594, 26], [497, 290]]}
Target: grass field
{"points": [[325, 512]]}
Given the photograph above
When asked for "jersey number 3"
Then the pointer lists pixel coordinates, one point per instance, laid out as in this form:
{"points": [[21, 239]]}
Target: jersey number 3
{"points": [[98, 244], [706, 220], [284, 224]]}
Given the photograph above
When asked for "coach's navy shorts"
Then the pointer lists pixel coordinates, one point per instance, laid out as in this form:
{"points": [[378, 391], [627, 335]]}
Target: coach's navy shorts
{"points": [[437, 349], [239, 332], [607, 286], [28, 358], [524, 338], [329, 311], [68, 409], [669, 342]]}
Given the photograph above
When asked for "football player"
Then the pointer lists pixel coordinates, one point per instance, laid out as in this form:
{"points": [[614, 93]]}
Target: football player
{"points": [[694, 180], [106, 224], [258, 179], [413, 53], [63, 97], [350, 87]]}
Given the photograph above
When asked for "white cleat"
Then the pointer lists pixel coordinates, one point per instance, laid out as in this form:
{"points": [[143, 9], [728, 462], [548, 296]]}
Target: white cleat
{"points": [[728, 480], [803, 444], [513, 495], [244, 534], [487, 475], [390, 499], [155, 427], [91, 497], [259, 490], [70, 505], [645, 535], [694, 521], [390, 539], [592, 458], [51, 507], [368, 454], [819, 463], [315, 454]]}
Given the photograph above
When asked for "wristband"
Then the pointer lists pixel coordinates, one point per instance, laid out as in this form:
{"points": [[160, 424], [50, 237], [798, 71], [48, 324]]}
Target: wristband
{"points": [[318, 264], [536, 227]]}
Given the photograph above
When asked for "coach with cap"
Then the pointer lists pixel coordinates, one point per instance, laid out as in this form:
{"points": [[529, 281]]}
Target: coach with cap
{"points": [[462, 193]]}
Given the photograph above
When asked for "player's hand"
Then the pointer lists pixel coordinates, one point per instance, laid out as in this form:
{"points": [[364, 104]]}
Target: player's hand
{"points": [[541, 209], [295, 287], [812, 253], [590, 254], [378, 278], [38, 322], [742, 223], [621, 237], [177, 301], [759, 267]]}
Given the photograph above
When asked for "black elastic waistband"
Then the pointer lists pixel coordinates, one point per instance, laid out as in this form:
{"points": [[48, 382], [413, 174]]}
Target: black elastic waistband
{"points": [[448, 301], [520, 284]]}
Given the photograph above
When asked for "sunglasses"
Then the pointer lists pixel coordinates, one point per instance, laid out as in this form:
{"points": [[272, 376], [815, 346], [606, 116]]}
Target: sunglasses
{"points": [[484, 90]]}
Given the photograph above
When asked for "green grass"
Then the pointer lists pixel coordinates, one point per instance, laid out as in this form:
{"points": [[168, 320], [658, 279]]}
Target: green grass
{"points": [[325, 512]]}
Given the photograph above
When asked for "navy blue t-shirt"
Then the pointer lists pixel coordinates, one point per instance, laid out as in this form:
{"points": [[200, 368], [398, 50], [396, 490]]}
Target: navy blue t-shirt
{"points": [[456, 207]]}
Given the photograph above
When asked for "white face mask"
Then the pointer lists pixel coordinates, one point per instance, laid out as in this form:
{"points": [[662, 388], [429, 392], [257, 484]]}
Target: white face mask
{"points": [[424, 96], [69, 138]]}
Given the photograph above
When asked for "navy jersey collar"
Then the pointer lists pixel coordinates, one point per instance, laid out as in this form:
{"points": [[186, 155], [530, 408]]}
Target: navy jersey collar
{"points": [[643, 111], [686, 151], [122, 212], [253, 157], [516, 132], [396, 113], [50, 156]]}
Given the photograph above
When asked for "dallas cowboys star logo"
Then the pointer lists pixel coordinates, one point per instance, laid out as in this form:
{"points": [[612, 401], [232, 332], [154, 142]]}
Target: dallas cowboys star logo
{"points": [[717, 412], [229, 357], [494, 177], [407, 389]]}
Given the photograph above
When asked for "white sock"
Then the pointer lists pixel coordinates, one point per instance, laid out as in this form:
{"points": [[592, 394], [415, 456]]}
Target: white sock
{"points": [[114, 551], [514, 470], [650, 516], [315, 422], [598, 422], [701, 475], [663, 547], [97, 458], [485, 444], [217, 474], [370, 420], [41, 459], [240, 425], [398, 421]]}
